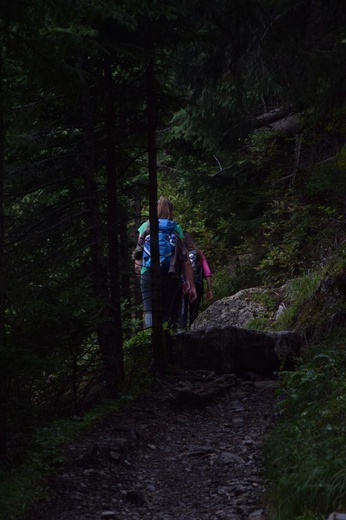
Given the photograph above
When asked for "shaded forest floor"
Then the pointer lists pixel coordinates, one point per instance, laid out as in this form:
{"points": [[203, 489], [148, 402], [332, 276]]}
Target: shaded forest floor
{"points": [[169, 458]]}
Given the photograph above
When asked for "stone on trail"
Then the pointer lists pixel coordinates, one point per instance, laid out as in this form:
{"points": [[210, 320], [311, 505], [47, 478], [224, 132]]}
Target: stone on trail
{"points": [[229, 349]]}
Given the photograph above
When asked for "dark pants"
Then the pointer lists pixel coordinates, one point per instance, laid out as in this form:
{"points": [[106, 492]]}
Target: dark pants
{"points": [[189, 311], [176, 308], [169, 289]]}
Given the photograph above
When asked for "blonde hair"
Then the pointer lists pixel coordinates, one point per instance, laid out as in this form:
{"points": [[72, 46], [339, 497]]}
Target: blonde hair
{"points": [[165, 208]]}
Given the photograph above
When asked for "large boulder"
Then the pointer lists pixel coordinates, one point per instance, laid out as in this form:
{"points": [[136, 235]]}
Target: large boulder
{"points": [[237, 309], [229, 349]]}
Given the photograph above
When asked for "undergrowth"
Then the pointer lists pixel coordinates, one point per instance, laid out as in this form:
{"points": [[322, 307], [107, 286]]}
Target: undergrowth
{"points": [[298, 292], [24, 485], [305, 453]]}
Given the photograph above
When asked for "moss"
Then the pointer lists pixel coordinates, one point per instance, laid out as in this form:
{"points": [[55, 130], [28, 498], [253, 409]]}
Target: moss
{"points": [[314, 316], [267, 299]]}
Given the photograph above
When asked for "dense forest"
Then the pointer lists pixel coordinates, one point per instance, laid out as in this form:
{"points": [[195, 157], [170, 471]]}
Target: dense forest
{"points": [[235, 109]]}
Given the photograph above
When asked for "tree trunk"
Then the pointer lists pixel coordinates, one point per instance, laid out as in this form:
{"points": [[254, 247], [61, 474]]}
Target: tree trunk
{"points": [[113, 227], [125, 266], [138, 312], [3, 374], [105, 327], [159, 351]]}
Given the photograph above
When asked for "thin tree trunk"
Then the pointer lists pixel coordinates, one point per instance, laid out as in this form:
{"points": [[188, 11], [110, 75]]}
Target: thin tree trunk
{"points": [[105, 328], [3, 374], [113, 227], [123, 218], [159, 351], [124, 254], [138, 312], [297, 150]]}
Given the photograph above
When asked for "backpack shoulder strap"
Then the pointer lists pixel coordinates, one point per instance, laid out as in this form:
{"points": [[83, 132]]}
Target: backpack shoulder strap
{"points": [[147, 229]]}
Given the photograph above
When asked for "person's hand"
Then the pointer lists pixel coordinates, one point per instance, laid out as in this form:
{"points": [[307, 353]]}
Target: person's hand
{"points": [[186, 287], [138, 265], [209, 295], [192, 294]]}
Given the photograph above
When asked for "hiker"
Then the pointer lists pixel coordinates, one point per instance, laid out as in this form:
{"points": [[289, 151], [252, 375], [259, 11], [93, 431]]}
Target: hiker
{"points": [[189, 310], [174, 262]]}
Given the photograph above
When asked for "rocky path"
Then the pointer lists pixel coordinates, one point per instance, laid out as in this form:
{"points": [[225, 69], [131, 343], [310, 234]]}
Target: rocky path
{"points": [[166, 459]]}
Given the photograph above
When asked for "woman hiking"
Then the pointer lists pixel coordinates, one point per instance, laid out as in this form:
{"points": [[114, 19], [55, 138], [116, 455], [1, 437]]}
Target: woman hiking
{"points": [[177, 262], [189, 310]]}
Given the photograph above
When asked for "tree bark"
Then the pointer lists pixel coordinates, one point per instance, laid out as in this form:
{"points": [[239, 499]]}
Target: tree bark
{"points": [[99, 274], [159, 350], [3, 374], [124, 260], [138, 312], [113, 227]]}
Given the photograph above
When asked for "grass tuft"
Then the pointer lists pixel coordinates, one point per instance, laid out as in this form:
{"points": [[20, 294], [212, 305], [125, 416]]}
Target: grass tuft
{"points": [[305, 453]]}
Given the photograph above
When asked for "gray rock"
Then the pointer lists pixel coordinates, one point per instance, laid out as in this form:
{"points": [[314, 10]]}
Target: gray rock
{"points": [[108, 515], [236, 310], [229, 349]]}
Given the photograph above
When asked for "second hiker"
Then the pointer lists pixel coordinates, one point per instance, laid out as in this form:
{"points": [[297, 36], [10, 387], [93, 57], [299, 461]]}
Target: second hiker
{"points": [[189, 310]]}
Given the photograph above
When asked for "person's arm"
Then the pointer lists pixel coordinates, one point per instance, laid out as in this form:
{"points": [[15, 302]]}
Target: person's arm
{"points": [[210, 290], [137, 256], [138, 266], [207, 275], [138, 252], [189, 285]]}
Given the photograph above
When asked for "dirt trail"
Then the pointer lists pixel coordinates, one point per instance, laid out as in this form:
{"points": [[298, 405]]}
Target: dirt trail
{"points": [[160, 461]]}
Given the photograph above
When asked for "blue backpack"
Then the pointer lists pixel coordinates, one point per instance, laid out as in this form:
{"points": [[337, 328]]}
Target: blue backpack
{"points": [[166, 239]]}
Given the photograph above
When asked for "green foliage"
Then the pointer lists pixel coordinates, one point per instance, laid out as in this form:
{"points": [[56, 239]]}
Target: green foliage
{"points": [[285, 229], [222, 285], [23, 485], [260, 323], [297, 293], [229, 280], [138, 361], [314, 300], [263, 151], [305, 452], [265, 320]]}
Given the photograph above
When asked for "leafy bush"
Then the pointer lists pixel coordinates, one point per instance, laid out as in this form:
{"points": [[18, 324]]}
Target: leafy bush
{"points": [[297, 293], [305, 453], [24, 485], [138, 361]]}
